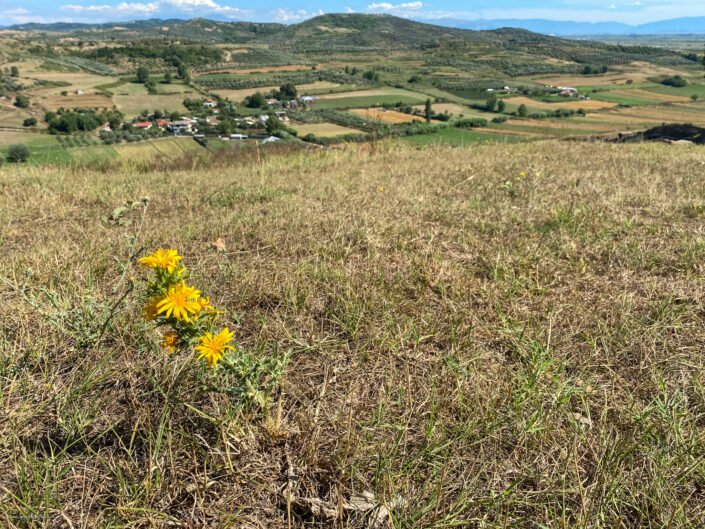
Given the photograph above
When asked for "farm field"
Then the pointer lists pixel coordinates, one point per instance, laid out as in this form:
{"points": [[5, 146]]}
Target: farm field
{"points": [[76, 101], [386, 116], [452, 109], [460, 137], [381, 92], [169, 148], [568, 104], [324, 130], [132, 105]]}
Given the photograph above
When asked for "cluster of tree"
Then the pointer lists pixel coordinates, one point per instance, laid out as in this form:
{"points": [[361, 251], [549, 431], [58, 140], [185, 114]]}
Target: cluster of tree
{"points": [[589, 69], [81, 120], [470, 123], [676, 81], [188, 55], [130, 135]]}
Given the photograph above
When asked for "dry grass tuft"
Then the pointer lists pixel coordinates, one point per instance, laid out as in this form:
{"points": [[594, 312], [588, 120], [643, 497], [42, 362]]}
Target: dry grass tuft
{"points": [[470, 348]]}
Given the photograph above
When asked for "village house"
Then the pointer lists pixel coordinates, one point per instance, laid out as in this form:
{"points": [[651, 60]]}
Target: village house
{"points": [[143, 125], [180, 127], [209, 103]]}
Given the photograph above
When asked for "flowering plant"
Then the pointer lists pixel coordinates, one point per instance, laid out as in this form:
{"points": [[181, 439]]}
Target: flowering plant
{"points": [[189, 317]]}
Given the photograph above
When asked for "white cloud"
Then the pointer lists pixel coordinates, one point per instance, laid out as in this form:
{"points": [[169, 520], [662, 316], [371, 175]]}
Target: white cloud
{"points": [[136, 8], [140, 8], [386, 6], [286, 15]]}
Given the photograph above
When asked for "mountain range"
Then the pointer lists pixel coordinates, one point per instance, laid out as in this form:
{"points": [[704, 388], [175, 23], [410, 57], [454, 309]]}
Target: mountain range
{"points": [[247, 30], [675, 26]]}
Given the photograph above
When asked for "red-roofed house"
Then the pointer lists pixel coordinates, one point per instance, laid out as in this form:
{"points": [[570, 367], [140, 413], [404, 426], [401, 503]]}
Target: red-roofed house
{"points": [[144, 125]]}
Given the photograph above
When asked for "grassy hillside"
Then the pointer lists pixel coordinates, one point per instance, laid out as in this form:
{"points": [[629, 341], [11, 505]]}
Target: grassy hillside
{"points": [[508, 336]]}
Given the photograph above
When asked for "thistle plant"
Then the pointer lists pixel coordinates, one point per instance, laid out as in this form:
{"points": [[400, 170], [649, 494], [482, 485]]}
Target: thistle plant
{"points": [[188, 317]]}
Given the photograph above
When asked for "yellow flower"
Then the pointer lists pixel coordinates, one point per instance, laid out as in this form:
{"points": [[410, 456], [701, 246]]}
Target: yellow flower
{"points": [[150, 309], [169, 341], [212, 348], [166, 259], [181, 302], [204, 305], [522, 174]]}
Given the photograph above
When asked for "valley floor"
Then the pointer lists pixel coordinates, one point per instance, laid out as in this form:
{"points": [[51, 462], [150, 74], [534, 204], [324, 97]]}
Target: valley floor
{"points": [[509, 335]]}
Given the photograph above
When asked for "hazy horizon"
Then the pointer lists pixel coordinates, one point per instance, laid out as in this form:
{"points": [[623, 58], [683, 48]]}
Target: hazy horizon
{"points": [[631, 12]]}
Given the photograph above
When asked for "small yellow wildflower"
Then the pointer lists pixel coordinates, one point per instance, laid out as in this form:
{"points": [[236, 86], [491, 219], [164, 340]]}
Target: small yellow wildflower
{"points": [[150, 309], [212, 348], [170, 340], [522, 174], [181, 302], [166, 259], [204, 304]]}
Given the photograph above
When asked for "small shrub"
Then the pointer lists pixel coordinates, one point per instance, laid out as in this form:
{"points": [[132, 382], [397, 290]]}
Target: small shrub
{"points": [[18, 153]]}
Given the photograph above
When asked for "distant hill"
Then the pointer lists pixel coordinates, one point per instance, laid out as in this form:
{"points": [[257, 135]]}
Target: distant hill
{"points": [[200, 29], [689, 25], [386, 32], [376, 32]]}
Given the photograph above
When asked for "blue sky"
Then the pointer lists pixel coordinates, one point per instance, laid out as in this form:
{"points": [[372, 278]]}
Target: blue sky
{"points": [[290, 11]]}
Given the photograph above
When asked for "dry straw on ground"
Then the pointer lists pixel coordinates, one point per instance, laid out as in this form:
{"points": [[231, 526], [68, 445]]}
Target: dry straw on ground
{"points": [[469, 347]]}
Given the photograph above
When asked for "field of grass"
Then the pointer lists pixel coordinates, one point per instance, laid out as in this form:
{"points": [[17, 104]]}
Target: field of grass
{"points": [[76, 101], [364, 101], [169, 148], [468, 347], [324, 130], [132, 105], [387, 116], [459, 137], [566, 104]]}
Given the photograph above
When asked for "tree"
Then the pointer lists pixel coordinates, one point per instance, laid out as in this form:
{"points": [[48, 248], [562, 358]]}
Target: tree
{"points": [[142, 74], [21, 101], [167, 78], [501, 106], [18, 153], [522, 111], [428, 110], [288, 92], [225, 127], [491, 103], [30, 122], [15, 71], [694, 97], [151, 86], [256, 100], [273, 125], [183, 73]]}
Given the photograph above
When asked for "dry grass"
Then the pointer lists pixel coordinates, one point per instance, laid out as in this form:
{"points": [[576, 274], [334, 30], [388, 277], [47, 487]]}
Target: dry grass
{"points": [[569, 104], [267, 69], [451, 108], [475, 349], [387, 116], [76, 101], [324, 130], [369, 93]]}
